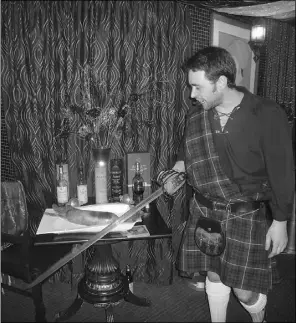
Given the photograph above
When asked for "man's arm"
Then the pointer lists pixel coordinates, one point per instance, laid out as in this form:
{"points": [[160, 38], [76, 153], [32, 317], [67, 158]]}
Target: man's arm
{"points": [[278, 157], [180, 165]]}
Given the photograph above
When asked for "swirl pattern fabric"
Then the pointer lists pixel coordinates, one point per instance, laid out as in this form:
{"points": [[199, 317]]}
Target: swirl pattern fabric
{"points": [[133, 45]]}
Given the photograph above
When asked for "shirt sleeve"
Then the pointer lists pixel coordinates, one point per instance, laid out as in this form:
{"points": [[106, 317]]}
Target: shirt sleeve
{"points": [[278, 157], [181, 153]]}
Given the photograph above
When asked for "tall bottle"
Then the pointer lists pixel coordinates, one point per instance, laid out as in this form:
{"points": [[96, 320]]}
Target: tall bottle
{"points": [[138, 184], [129, 276], [82, 187], [64, 162], [116, 179], [62, 188]]}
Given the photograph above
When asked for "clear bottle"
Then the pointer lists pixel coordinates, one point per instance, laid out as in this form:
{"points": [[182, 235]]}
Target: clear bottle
{"points": [[63, 161], [62, 188], [82, 187], [129, 276], [138, 184]]}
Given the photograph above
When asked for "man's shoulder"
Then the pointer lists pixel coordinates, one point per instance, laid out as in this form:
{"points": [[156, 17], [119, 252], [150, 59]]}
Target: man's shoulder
{"points": [[268, 110], [259, 104]]}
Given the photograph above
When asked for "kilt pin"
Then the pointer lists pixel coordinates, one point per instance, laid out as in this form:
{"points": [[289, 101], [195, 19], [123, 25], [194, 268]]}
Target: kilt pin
{"points": [[244, 264]]}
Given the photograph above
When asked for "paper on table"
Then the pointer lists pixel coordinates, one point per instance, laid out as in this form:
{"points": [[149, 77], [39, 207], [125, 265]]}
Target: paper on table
{"points": [[56, 224]]}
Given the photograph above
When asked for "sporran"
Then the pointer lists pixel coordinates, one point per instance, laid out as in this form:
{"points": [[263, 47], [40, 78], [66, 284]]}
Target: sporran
{"points": [[209, 236]]}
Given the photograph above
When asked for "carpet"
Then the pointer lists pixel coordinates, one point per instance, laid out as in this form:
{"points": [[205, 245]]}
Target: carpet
{"points": [[173, 303]]}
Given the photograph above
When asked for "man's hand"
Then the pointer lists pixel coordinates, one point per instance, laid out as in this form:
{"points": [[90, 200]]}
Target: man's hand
{"points": [[179, 166], [171, 180], [277, 234]]}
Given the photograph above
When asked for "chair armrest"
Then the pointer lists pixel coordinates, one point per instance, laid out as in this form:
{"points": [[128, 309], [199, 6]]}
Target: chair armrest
{"points": [[20, 239], [11, 238]]}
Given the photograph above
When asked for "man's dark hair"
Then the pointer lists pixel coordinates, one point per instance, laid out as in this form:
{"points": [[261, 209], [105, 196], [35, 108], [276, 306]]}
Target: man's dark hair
{"points": [[215, 61]]}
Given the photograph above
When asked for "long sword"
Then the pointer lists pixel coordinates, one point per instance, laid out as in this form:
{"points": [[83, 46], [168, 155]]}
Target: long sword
{"points": [[75, 252]]}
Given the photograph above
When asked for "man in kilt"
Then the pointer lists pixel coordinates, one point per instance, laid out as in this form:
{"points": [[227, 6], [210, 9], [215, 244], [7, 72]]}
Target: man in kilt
{"points": [[237, 154]]}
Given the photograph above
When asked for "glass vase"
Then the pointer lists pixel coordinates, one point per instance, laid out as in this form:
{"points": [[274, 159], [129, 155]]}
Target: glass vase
{"points": [[101, 159]]}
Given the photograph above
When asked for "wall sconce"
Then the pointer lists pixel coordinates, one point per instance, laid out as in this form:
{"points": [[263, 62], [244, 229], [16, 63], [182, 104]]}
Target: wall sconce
{"points": [[257, 38]]}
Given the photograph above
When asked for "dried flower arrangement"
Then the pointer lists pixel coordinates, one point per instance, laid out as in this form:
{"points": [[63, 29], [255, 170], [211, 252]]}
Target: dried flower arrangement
{"points": [[101, 113], [104, 114]]}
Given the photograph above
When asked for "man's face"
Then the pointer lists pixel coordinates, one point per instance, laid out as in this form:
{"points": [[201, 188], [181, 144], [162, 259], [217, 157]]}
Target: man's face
{"points": [[204, 90]]}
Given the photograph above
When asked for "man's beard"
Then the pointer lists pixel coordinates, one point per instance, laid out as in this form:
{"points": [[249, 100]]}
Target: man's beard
{"points": [[212, 104], [215, 103], [217, 100]]}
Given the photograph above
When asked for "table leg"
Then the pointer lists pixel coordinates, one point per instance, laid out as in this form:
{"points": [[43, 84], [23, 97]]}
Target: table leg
{"points": [[70, 311], [109, 313], [39, 304], [103, 285], [136, 300], [102, 282], [132, 298]]}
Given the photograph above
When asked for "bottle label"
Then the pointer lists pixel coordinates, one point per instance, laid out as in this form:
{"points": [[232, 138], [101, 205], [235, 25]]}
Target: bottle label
{"points": [[131, 287], [62, 194], [82, 194], [116, 179], [101, 183], [65, 176]]}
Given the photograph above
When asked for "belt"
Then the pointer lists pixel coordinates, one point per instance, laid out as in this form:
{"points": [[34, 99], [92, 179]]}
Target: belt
{"points": [[231, 207]]}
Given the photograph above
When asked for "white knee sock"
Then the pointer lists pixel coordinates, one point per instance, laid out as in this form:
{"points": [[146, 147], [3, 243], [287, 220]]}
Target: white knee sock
{"points": [[257, 310], [218, 298]]}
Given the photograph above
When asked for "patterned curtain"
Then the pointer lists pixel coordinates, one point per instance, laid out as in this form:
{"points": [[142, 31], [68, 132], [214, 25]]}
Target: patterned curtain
{"points": [[278, 81], [134, 46]]}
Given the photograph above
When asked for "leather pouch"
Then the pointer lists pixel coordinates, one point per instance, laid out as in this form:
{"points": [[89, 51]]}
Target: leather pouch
{"points": [[209, 236]]}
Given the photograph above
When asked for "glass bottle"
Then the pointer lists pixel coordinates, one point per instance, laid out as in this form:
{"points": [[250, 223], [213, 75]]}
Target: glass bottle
{"points": [[62, 188], [129, 276], [116, 179], [82, 187], [64, 162], [138, 184]]}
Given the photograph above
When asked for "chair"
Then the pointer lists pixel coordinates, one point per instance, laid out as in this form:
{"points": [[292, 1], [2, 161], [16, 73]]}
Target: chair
{"points": [[20, 259]]}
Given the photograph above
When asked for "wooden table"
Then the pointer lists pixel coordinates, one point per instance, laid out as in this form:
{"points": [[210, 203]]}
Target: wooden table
{"points": [[103, 284]]}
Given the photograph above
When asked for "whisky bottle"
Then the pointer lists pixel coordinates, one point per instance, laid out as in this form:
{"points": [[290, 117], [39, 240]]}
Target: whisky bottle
{"points": [[116, 179], [62, 188], [82, 187], [63, 161], [138, 184], [129, 276]]}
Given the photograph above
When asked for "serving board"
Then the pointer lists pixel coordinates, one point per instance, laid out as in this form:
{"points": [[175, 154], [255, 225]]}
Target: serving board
{"points": [[51, 223]]}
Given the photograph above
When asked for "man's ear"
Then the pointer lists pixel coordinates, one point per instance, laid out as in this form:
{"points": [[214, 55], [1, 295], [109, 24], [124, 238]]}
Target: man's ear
{"points": [[221, 83]]}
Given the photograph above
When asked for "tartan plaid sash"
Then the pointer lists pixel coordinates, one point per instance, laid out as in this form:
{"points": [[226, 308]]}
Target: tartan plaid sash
{"points": [[204, 170]]}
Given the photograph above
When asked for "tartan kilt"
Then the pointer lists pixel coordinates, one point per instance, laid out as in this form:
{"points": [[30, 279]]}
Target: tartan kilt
{"points": [[244, 264]]}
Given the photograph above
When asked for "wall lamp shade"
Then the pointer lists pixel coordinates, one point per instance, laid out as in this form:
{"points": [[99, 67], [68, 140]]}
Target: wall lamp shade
{"points": [[257, 38]]}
